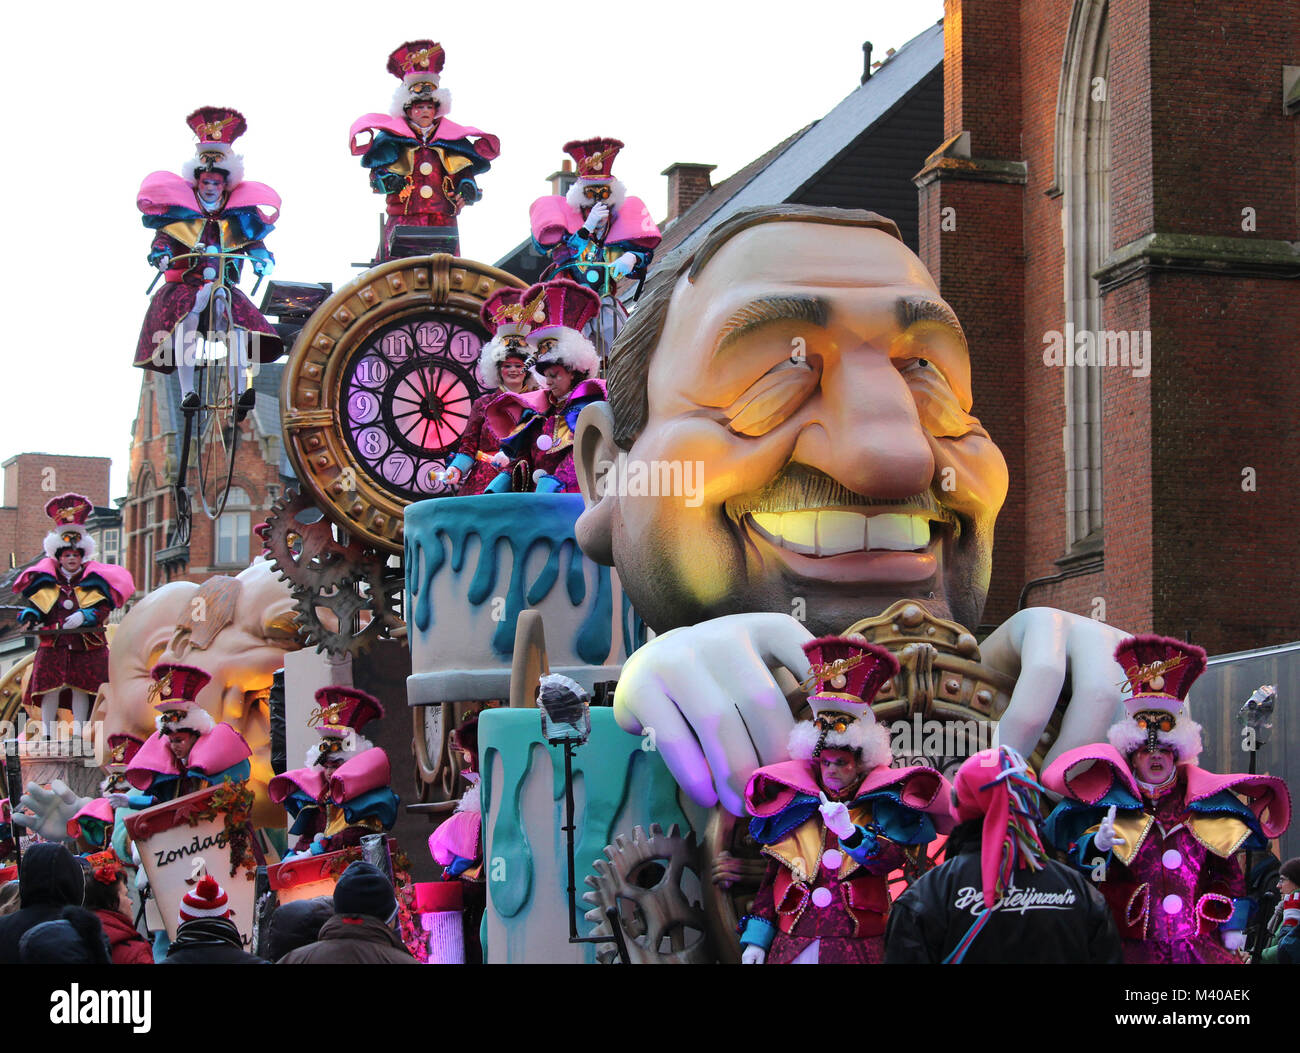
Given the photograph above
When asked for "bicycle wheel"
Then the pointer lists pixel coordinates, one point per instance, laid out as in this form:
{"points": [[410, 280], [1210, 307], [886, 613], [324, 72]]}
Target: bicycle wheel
{"points": [[217, 434]]}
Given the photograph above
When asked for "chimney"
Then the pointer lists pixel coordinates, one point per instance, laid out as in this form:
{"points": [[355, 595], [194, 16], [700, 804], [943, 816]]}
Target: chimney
{"points": [[687, 183], [563, 179], [866, 62]]}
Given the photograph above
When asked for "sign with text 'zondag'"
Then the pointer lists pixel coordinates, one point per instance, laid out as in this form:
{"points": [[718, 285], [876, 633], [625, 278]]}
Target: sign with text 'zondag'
{"points": [[176, 854]]}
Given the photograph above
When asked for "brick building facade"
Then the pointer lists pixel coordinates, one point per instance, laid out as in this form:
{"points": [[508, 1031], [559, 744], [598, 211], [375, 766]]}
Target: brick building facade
{"points": [[30, 480], [1120, 169], [223, 546]]}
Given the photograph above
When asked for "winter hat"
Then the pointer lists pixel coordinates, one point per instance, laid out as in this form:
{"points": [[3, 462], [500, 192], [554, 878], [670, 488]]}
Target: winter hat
{"points": [[207, 899], [365, 889]]}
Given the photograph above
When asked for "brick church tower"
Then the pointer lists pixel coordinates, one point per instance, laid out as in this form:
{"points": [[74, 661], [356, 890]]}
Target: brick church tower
{"points": [[1114, 216]]}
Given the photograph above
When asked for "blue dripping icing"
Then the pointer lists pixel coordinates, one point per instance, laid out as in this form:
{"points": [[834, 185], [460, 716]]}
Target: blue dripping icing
{"points": [[521, 522]]}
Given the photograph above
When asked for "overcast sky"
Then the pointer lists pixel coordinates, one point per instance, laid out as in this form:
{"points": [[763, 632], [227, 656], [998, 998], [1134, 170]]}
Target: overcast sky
{"points": [[96, 97]]}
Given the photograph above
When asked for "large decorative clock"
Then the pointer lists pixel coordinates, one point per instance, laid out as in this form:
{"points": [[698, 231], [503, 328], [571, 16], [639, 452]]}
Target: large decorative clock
{"points": [[378, 388]]}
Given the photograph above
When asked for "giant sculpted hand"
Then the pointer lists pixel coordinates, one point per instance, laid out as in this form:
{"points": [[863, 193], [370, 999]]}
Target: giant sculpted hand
{"points": [[708, 695], [1039, 647], [46, 812]]}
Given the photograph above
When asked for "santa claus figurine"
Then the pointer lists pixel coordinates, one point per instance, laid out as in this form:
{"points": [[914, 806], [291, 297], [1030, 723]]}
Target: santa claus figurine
{"points": [[536, 427], [425, 163], [1159, 834], [208, 221], [835, 820], [595, 234], [343, 793], [67, 597]]}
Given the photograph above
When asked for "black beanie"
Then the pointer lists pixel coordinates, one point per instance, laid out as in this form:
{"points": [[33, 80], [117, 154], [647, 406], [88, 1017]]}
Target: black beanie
{"points": [[365, 889]]}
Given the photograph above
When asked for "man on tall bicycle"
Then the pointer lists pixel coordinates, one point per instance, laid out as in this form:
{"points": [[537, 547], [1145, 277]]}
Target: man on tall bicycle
{"points": [[208, 220]]}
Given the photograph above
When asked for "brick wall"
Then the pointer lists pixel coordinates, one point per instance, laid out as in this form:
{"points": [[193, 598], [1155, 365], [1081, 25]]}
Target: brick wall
{"points": [[30, 480]]}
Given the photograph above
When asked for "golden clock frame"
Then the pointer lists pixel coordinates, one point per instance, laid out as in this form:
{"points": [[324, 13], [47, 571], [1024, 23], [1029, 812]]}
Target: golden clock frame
{"points": [[311, 392]]}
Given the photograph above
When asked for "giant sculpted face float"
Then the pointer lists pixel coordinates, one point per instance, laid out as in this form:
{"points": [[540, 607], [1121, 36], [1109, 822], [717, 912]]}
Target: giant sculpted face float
{"points": [[799, 397], [812, 371]]}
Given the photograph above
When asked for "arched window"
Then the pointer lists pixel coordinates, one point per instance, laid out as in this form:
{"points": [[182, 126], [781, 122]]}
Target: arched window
{"points": [[1082, 169]]}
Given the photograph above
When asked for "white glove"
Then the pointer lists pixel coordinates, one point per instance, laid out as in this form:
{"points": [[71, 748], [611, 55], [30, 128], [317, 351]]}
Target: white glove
{"points": [[753, 954], [50, 810], [1106, 838], [835, 814], [709, 692], [599, 214], [451, 475], [623, 265], [500, 459], [1234, 939], [163, 262], [74, 620]]}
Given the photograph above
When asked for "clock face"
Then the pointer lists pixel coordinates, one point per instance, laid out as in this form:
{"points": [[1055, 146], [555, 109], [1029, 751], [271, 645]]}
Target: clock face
{"points": [[379, 385], [406, 398]]}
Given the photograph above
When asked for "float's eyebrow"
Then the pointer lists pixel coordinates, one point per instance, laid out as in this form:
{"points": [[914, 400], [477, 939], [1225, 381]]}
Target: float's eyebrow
{"points": [[911, 310], [768, 310]]}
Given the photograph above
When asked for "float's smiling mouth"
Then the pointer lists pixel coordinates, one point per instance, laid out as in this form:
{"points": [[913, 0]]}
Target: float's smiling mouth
{"points": [[836, 531]]}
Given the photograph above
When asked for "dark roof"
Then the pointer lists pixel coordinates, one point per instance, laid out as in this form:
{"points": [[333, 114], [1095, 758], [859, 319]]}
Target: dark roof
{"points": [[789, 170]]}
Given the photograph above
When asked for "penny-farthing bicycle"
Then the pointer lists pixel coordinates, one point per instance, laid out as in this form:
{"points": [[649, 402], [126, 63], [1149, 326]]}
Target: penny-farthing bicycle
{"points": [[212, 426]]}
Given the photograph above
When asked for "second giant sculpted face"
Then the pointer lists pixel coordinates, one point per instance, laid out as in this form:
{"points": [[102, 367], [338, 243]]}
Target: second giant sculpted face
{"points": [[815, 375]]}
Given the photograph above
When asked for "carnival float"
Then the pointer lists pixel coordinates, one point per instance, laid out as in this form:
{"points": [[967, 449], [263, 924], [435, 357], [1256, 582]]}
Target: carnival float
{"points": [[649, 721]]}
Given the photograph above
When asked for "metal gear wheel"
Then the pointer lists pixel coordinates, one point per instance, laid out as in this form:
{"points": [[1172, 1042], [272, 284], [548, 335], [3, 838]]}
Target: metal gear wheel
{"points": [[653, 883], [376, 588], [303, 548]]}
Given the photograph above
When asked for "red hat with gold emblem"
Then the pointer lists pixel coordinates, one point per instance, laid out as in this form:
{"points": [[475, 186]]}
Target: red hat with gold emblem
{"points": [[504, 314], [216, 128], [594, 158], [1158, 671], [340, 714], [418, 64], [847, 673], [174, 695], [560, 308], [69, 512]]}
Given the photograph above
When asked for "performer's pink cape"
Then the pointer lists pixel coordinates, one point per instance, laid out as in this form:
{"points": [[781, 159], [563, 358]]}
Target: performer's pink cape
{"points": [[553, 218], [163, 190], [503, 413], [918, 787], [119, 580], [368, 770], [1087, 774], [310, 781], [485, 145], [459, 834], [221, 748], [99, 809]]}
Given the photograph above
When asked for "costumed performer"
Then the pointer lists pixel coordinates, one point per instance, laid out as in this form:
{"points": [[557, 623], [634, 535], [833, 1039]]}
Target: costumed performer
{"points": [[68, 597], [536, 427], [426, 164], [209, 210], [343, 793], [1159, 834], [503, 367], [835, 820], [595, 234]]}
